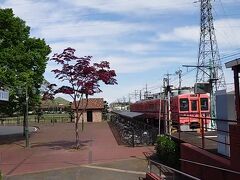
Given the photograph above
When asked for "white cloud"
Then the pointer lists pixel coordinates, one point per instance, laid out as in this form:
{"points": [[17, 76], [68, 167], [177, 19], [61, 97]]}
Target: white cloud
{"points": [[138, 48], [136, 6], [33, 12], [227, 33], [89, 29], [82, 48], [186, 33], [135, 65]]}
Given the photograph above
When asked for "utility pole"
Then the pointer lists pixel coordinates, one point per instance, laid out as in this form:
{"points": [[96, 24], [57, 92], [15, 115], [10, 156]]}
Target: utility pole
{"points": [[165, 106], [179, 73], [26, 119], [140, 95], [160, 112], [167, 89], [135, 95], [146, 93]]}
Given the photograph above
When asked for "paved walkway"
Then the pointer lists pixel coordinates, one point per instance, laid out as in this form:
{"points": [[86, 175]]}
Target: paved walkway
{"points": [[130, 169], [51, 149]]}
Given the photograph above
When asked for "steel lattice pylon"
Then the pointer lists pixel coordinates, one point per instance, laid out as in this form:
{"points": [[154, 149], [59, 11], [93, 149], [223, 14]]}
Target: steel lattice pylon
{"points": [[209, 64]]}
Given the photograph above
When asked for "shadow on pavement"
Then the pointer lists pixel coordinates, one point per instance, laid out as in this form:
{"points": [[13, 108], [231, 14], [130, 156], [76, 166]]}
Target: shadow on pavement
{"points": [[59, 145]]}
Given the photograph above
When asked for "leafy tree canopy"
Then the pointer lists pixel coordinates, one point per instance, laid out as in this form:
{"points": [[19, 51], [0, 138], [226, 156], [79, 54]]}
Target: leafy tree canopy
{"points": [[22, 60]]}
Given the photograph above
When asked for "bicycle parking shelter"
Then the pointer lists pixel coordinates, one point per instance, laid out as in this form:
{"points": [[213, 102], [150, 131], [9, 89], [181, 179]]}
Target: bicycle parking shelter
{"points": [[134, 125]]}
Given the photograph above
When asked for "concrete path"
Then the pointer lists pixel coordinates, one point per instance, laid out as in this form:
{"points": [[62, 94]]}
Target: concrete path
{"points": [[130, 169], [51, 148]]}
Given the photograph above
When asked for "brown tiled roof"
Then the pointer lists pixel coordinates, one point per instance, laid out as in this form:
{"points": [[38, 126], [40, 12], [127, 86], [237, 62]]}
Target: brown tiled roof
{"points": [[93, 103]]}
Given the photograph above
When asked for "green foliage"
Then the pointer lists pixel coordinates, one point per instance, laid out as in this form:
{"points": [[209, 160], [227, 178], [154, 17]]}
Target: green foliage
{"points": [[105, 110], [70, 112], [167, 151], [60, 100], [22, 61]]}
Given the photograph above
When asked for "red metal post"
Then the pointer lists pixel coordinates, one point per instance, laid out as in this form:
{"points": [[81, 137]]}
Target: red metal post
{"points": [[201, 120], [179, 128], [202, 133]]}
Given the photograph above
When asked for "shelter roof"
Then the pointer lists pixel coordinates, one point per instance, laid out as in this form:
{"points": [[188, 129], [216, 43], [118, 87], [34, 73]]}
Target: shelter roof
{"points": [[93, 103], [128, 114], [232, 63]]}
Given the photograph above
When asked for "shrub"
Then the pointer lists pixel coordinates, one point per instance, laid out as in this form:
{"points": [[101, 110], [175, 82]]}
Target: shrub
{"points": [[167, 151]]}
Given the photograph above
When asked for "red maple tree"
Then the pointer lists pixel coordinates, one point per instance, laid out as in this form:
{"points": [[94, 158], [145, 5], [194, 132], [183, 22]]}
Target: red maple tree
{"points": [[83, 79]]}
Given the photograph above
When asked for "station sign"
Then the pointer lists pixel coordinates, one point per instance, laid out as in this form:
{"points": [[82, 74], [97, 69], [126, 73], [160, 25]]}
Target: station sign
{"points": [[4, 95]]}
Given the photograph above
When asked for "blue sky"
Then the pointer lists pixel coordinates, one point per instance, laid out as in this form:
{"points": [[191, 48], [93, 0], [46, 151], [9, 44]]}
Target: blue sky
{"points": [[142, 40]]}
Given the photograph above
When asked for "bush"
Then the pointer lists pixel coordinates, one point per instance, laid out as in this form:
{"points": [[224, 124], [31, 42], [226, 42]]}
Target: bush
{"points": [[167, 151]]}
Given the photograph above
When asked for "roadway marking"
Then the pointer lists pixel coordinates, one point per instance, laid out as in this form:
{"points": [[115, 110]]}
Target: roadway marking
{"points": [[116, 170], [208, 136]]}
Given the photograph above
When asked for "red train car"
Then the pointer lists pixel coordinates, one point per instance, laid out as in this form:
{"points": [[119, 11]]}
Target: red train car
{"points": [[149, 107], [184, 109]]}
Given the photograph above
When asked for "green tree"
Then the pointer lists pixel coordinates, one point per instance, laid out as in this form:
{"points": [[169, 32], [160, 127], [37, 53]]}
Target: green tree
{"points": [[167, 151], [23, 61], [105, 110]]}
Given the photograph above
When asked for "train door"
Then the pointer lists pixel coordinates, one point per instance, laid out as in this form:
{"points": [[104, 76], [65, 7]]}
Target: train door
{"points": [[204, 101], [184, 110], [194, 122]]}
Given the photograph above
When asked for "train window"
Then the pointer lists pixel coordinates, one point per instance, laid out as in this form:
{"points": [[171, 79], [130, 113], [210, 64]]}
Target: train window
{"points": [[194, 105], [184, 104], [204, 104]]}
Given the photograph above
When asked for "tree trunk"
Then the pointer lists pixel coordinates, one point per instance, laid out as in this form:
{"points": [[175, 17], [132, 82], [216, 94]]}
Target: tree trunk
{"points": [[24, 124], [76, 130], [78, 116], [77, 135], [82, 123]]}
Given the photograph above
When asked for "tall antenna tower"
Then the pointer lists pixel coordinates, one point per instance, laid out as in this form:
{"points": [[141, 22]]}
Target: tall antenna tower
{"points": [[209, 64]]}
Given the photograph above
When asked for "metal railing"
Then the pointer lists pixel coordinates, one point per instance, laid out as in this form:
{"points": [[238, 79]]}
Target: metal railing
{"points": [[202, 131], [166, 172], [218, 171], [210, 166]]}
